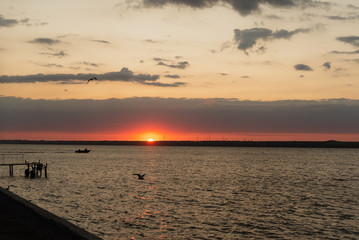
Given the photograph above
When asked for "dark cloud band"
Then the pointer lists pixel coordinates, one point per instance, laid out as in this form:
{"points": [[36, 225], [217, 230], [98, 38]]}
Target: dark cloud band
{"points": [[340, 116], [125, 75], [244, 7]]}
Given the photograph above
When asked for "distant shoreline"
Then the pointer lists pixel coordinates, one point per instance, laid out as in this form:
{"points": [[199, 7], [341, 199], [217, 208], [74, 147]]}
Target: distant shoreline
{"points": [[288, 144]]}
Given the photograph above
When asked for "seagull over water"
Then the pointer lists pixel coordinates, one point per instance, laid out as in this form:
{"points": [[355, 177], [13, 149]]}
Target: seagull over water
{"points": [[93, 78], [140, 177]]}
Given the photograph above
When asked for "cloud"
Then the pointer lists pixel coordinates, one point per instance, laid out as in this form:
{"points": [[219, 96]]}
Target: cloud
{"points": [[102, 41], [340, 72], [345, 52], [151, 41], [172, 76], [46, 41], [247, 38], [336, 18], [13, 22], [49, 65], [353, 7], [159, 84], [327, 65], [125, 75], [302, 67], [90, 64], [313, 4], [179, 65], [243, 7], [285, 34], [7, 22], [67, 35], [340, 18], [338, 116], [171, 64], [55, 53], [352, 40], [223, 74], [273, 17]]}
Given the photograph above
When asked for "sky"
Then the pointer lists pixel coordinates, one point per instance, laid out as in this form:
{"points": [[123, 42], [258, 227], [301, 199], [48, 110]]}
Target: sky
{"points": [[179, 70]]}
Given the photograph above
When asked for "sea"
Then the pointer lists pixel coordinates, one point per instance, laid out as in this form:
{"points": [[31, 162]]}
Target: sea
{"points": [[195, 192]]}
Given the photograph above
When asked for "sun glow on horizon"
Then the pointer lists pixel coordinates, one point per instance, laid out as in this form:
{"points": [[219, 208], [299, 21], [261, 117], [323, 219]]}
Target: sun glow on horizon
{"points": [[150, 140]]}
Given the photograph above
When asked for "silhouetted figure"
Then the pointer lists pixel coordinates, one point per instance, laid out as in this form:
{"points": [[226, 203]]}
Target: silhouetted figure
{"points": [[39, 166], [93, 78], [140, 177], [8, 187]]}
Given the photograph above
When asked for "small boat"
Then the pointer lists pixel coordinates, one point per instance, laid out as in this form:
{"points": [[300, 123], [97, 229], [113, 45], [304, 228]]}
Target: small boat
{"points": [[82, 151]]}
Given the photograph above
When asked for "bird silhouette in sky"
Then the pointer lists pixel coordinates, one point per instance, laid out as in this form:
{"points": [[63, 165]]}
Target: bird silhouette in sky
{"points": [[93, 78], [140, 177]]}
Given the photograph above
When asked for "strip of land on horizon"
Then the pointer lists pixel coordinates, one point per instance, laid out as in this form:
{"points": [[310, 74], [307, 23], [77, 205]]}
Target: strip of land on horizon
{"points": [[295, 144]]}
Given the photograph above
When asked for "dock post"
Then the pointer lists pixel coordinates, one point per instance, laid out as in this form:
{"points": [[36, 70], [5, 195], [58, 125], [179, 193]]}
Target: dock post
{"points": [[11, 170], [36, 170], [46, 170], [28, 170]]}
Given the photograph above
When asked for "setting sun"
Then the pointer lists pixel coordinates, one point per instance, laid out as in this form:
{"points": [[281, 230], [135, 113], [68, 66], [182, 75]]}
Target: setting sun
{"points": [[150, 140]]}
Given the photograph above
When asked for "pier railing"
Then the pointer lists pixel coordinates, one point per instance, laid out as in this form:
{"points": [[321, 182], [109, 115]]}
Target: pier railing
{"points": [[12, 158], [34, 169]]}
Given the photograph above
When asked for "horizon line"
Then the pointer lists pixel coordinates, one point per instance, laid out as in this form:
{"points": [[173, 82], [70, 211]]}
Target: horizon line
{"points": [[189, 143]]}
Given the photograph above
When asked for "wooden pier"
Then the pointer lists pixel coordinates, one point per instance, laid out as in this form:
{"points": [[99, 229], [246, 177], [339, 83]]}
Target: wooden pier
{"points": [[33, 170]]}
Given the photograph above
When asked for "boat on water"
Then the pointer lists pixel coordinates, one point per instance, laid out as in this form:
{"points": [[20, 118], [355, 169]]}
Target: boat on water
{"points": [[82, 151]]}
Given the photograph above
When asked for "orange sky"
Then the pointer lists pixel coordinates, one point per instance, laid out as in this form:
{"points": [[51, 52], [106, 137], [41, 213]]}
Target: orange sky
{"points": [[162, 136]]}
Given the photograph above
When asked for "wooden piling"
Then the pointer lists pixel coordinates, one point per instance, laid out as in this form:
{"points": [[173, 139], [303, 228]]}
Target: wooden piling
{"points": [[28, 170], [11, 170], [45, 170]]}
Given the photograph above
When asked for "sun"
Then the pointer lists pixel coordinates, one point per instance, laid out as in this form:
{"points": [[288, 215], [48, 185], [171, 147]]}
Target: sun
{"points": [[150, 140]]}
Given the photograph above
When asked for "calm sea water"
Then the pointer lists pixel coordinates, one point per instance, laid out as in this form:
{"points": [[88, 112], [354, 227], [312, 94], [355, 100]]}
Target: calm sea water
{"points": [[196, 192]]}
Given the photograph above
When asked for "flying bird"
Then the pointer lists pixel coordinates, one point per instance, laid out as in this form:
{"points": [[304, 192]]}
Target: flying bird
{"points": [[93, 78], [140, 177]]}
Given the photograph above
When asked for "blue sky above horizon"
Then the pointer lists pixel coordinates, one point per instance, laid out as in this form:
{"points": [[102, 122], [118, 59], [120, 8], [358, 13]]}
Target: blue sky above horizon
{"points": [[258, 52]]}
